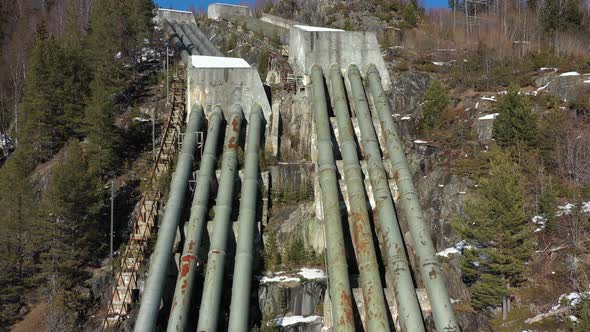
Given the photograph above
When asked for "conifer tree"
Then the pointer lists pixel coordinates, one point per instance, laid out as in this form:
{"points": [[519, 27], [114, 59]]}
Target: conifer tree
{"points": [[436, 99], [99, 126], [516, 123], [71, 206], [496, 226], [18, 206], [104, 41]]}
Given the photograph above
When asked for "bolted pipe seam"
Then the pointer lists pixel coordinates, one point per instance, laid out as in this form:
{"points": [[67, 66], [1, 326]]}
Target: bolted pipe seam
{"points": [[239, 308], [430, 269], [162, 255], [339, 284], [398, 275], [212, 289], [362, 236], [179, 314]]}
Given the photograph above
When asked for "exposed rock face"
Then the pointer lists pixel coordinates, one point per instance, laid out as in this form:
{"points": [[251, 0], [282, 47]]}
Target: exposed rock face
{"points": [[295, 129], [293, 298], [299, 221], [566, 86], [443, 195]]}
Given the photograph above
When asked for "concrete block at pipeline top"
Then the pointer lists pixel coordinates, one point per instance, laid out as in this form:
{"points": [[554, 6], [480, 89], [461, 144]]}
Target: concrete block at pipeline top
{"points": [[225, 81], [324, 46], [175, 15], [216, 9]]}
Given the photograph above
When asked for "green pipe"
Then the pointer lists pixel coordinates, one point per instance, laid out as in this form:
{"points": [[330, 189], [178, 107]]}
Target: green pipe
{"points": [[178, 45], [199, 46], [240, 297], [212, 289], [179, 314], [204, 40], [339, 284], [430, 268], [184, 37], [162, 255], [398, 276], [362, 236]]}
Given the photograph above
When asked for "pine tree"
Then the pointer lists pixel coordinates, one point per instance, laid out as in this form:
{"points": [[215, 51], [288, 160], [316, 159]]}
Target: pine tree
{"points": [[40, 107], [410, 14], [55, 89], [436, 99], [104, 41], [99, 126], [272, 253], [548, 204], [516, 123], [17, 224], [71, 206], [496, 226], [137, 16], [583, 314]]}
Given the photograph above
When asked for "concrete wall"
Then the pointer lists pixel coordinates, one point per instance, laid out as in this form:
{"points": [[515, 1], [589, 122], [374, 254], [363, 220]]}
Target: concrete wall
{"points": [[311, 45], [278, 21], [226, 86], [175, 15], [216, 9]]}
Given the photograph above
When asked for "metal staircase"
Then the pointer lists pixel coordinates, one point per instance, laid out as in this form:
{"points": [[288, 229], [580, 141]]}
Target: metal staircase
{"points": [[132, 265]]}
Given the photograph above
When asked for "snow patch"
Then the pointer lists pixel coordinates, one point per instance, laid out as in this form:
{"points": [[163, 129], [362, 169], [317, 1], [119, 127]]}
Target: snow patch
{"points": [[587, 81], [292, 320], [491, 98], [548, 69], [419, 141], [312, 28], [312, 274], [456, 249], [543, 87], [266, 280], [488, 116], [570, 73], [565, 209], [572, 299], [405, 118], [204, 61]]}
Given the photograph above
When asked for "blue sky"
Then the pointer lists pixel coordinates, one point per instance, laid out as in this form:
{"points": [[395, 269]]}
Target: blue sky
{"points": [[184, 4]]}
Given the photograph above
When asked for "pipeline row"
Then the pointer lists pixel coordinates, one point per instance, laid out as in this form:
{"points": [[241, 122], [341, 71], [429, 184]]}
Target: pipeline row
{"points": [[186, 284], [188, 40], [397, 268]]}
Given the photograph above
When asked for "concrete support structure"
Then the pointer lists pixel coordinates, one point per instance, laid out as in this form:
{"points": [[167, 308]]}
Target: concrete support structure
{"points": [[174, 15], [213, 287], [162, 255], [183, 294], [398, 275], [225, 81], [339, 285], [215, 10], [240, 300], [360, 226], [429, 266], [324, 46]]}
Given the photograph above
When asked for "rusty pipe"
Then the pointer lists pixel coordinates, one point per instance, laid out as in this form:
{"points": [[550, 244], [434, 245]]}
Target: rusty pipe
{"points": [[430, 268], [339, 284], [212, 289]]}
